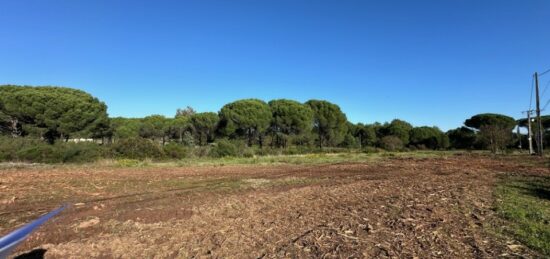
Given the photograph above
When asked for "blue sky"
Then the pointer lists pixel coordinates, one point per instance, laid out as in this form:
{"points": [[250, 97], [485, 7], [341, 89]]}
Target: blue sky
{"points": [[428, 62]]}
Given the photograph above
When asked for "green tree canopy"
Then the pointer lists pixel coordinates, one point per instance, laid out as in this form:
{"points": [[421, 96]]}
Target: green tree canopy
{"points": [[125, 127], [462, 138], [101, 128], [186, 112], [329, 122], [429, 137], [289, 118], [179, 127], [248, 118], [366, 134], [490, 119], [52, 112], [544, 119], [495, 130], [154, 127], [398, 128], [205, 124]]}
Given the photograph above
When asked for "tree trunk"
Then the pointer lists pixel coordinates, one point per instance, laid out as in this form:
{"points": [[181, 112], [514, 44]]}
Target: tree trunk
{"points": [[249, 137], [14, 123]]}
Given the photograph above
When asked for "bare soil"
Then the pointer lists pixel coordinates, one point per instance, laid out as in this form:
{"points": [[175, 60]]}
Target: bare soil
{"points": [[389, 208]]}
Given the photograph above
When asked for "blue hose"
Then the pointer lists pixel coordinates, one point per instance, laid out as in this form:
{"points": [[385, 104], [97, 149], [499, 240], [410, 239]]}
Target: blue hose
{"points": [[13, 239]]}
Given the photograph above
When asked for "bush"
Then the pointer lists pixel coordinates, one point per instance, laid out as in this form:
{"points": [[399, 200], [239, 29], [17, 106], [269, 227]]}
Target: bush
{"points": [[38, 151], [264, 151], [292, 150], [369, 149], [137, 148], [41, 153], [174, 150], [79, 152], [9, 147], [298, 150], [391, 143], [200, 151], [224, 148], [248, 152], [350, 142]]}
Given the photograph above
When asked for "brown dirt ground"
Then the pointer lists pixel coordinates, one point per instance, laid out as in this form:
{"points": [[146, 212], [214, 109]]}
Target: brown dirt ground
{"points": [[392, 208]]}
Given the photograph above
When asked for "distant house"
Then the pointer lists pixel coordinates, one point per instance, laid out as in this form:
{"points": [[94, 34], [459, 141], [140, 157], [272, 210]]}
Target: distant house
{"points": [[77, 140]]}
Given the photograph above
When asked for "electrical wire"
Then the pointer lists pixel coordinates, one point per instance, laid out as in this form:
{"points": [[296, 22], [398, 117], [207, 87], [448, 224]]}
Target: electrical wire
{"points": [[545, 88], [544, 72], [546, 105]]}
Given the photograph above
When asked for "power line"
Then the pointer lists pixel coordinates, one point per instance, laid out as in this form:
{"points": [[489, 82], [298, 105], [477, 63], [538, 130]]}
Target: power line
{"points": [[545, 88], [546, 105], [539, 121], [544, 72]]}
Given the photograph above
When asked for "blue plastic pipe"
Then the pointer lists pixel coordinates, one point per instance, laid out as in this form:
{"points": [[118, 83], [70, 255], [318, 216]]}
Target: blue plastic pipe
{"points": [[15, 238]]}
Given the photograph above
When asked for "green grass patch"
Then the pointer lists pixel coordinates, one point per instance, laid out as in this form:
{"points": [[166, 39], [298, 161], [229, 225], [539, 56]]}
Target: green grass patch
{"points": [[523, 202]]}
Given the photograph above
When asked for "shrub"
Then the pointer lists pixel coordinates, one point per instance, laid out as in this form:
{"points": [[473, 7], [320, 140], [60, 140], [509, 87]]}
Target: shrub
{"points": [[264, 151], [370, 149], [40, 153], [350, 142], [248, 152], [174, 150], [391, 143], [188, 139], [200, 151], [79, 152], [224, 148], [292, 150], [137, 148], [298, 150], [9, 147]]}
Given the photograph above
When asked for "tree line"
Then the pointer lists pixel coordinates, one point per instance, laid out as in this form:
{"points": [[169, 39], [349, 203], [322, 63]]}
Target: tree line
{"points": [[54, 114]]}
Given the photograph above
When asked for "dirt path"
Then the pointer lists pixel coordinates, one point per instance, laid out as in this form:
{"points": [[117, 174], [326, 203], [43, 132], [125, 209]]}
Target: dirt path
{"points": [[399, 208]]}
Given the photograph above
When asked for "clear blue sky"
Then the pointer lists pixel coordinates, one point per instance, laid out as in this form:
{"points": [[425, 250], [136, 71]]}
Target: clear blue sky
{"points": [[428, 62]]}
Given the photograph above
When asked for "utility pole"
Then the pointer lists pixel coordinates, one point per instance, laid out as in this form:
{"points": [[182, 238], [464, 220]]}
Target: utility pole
{"points": [[519, 137], [530, 132], [539, 121]]}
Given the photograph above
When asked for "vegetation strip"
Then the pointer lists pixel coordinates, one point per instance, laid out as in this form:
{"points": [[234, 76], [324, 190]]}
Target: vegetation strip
{"points": [[523, 202]]}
